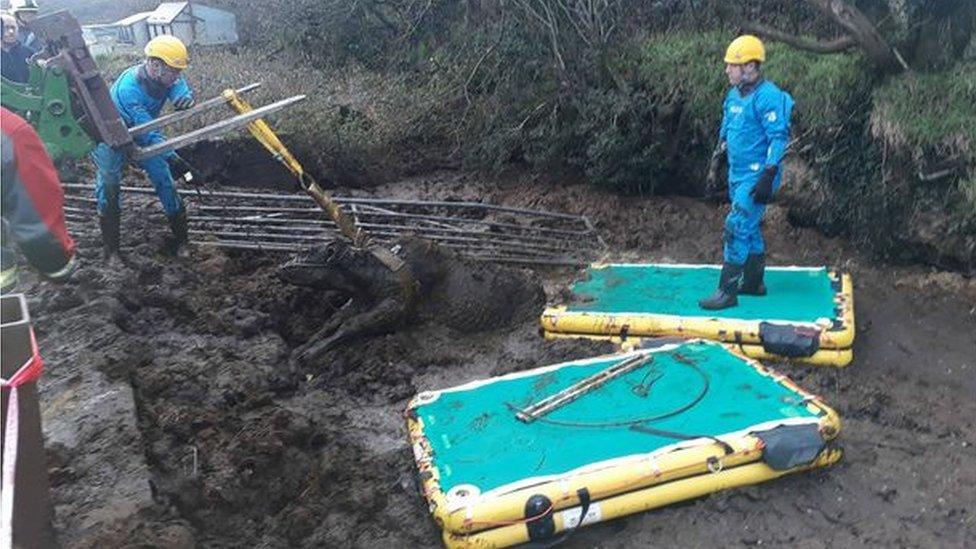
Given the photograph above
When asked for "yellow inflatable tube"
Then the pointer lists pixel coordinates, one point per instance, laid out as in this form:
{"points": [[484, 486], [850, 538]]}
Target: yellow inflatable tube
{"points": [[684, 466], [838, 358], [839, 335], [637, 501]]}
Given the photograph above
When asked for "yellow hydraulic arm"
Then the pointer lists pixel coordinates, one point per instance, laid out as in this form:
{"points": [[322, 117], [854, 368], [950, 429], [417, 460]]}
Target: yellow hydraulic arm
{"points": [[346, 224]]}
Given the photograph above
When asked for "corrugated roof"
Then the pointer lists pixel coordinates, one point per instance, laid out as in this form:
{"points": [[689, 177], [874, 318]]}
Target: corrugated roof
{"points": [[134, 18], [166, 12]]}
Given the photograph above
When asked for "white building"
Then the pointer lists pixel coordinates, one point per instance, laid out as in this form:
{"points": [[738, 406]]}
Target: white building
{"points": [[191, 22], [100, 39], [133, 30]]}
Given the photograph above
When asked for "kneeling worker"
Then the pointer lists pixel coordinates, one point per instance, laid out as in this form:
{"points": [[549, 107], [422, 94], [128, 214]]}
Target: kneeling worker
{"points": [[755, 132], [139, 95]]}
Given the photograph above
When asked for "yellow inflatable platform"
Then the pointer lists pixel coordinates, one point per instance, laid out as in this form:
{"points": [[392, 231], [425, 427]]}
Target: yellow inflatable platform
{"points": [[807, 315], [533, 455]]}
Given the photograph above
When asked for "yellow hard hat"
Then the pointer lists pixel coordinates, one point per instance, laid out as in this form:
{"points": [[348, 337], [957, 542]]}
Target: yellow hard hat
{"points": [[170, 49], [744, 49]]}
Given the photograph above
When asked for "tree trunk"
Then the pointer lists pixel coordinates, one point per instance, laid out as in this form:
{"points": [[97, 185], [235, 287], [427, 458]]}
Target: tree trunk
{"points": [[863, 31], [833, 46]]}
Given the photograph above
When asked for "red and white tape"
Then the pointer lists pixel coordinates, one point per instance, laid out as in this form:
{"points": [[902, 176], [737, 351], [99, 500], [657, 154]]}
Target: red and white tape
{"points": [[29, 372]]}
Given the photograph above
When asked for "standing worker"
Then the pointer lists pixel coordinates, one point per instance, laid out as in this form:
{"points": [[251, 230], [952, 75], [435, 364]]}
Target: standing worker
{"points": [[139, 95], [755, 132], [25, 12], [32, 205], [13, 65]]}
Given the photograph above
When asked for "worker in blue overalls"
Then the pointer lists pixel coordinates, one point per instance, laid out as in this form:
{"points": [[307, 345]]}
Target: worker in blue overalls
{"points": [[139, 95], [755, 133]]}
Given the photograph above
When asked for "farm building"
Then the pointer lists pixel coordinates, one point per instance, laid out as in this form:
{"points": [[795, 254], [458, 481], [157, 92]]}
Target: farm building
{"points": [[133, 29], [191, 22]]}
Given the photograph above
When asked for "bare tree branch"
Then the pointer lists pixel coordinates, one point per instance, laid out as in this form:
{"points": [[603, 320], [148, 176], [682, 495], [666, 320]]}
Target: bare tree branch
{"points": [[474, 70], [584, 36], [549, 23], [833, 46], [863, 31]]}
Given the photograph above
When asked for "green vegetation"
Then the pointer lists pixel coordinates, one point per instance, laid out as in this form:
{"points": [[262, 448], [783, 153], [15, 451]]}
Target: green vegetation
{"points": [[629, 98], [690, 65], [930, 111], [828, 89], [933, 117]]}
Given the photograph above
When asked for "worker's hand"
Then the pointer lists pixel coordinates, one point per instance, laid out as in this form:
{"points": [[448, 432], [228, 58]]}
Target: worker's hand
{"points": [[762, 193], [184, 103], [714, 164], [711, 179]]}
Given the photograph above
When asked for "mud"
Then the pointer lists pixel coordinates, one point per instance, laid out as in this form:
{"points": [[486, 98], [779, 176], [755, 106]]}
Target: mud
{"points": [[173, 419], [433, 283]]}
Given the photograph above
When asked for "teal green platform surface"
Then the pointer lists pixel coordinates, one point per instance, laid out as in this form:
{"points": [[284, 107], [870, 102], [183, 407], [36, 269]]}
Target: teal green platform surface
{"points": [[794, 294], [477, 440]]}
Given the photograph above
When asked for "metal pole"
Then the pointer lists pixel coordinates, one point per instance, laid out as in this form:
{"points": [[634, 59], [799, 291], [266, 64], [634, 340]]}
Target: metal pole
{"points": [[392, 231], [178, 116], [482, 250], [213, 130], [288, 224], [280, 247], [355, 200], [397, 215]]}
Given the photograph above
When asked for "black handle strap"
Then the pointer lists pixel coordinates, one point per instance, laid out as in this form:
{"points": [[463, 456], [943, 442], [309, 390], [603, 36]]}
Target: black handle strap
{"points": [[584, 498]]}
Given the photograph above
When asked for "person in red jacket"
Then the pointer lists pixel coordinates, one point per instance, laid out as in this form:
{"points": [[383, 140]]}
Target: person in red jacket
{"points": [[32, 205]]}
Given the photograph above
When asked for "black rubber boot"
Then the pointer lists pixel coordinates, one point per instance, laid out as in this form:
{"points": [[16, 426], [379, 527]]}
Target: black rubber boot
{"points": [[752, 275], [109, 223], [728, 286], [178, 224]]}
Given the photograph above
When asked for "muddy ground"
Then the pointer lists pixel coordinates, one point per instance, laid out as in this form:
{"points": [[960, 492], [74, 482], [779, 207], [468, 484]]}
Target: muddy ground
{"points": [[172, 418]]}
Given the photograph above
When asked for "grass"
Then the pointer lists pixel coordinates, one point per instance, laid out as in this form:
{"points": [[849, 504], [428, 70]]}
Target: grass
{"points": [[825, 87], [929, 111], [690, 65], [828, 89], [350, 126], [933, 115], [967, 193]]}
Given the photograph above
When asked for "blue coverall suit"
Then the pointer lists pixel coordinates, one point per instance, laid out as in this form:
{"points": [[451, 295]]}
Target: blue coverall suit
{"points": [[756, 129], [139, 101]]}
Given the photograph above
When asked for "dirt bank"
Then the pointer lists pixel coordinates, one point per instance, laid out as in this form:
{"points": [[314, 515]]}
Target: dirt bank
{"points": [[212, 440]]}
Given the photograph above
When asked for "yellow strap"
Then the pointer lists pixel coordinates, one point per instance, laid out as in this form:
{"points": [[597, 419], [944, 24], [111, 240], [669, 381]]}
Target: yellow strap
{"points": [[265, 135]]}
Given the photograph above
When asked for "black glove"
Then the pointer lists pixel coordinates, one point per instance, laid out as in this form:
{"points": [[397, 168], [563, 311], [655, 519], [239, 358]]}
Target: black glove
{"points": [[711, 179], [184, 103], [762, 193]]}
